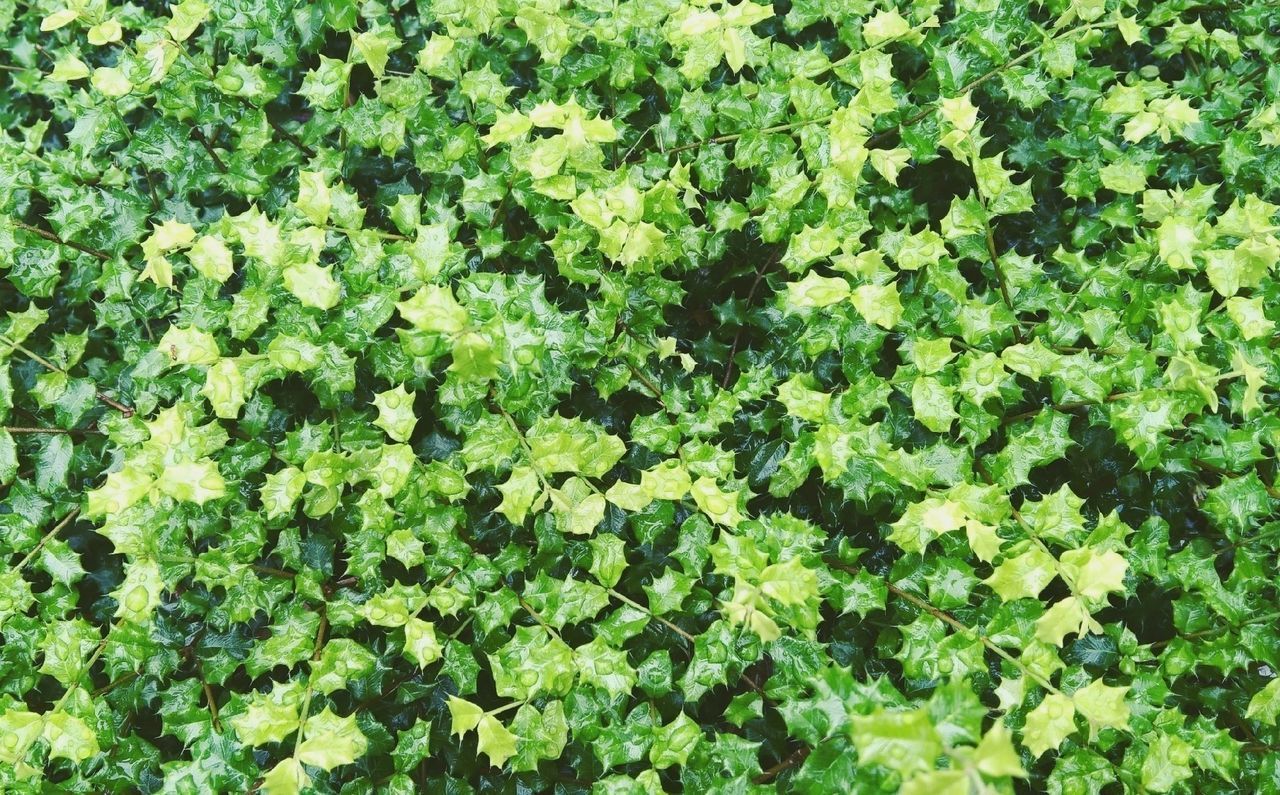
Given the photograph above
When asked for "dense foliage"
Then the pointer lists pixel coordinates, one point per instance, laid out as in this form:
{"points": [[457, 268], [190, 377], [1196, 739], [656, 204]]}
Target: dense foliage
{"points": [[533, 395]]}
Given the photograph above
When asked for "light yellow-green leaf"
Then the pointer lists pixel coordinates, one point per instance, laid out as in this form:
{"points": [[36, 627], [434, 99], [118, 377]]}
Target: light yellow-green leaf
{"points": [[433, 308], [395, 413], [281, 490], [18, 730], [313, 197], [1068, 617], [904, 741], [1049, 724], [1024, 575], [465, 715], [312, 285], [933, 404], [889, 163], [192, 481], [878, 304], [508, 127], [107, 32], [984, 540], [802, 401], [58, 19], [270, 717], [815, 291], [937, 782], [111, 81], [69, 68], [628, 496], [495, 741], [885, 25], [1102, 705], [995, 755], [69, 737], [224, 388], [420, 644], [578, 508], [666, 481], [138, 594], [719, 505], [186, 17], [521, 492], [1093, 574], [211, 258], [930, 356], [331, 741], [1167, 763], [286, 778], [1247, 313], [122, 489], [1264, 707], [789, 583], [189, 346], [375, 46]]}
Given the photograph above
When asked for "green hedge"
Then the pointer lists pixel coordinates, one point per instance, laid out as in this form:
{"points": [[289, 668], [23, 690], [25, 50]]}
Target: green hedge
{"points": [[631, 397]]}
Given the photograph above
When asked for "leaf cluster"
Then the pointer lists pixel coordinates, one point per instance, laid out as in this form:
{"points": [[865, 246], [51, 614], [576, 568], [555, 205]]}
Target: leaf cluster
{"points": [[635, 397]]}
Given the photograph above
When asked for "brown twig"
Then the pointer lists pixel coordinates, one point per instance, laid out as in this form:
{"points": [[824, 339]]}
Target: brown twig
{"points": [[639, 374], [208, 147], [626, 157], [321, 632], [529, 609], [53, 238], [213, 705], [281, 573], [128, 677], [795, 758], [1223, 473], [726, 138], [761, 270], [669, 625], [977, 81], [127, 411], [288, 136], [461, 628], [47, 537], [919, 115], [964, 629], [318, 649], [1071, 405], [955, 624], [291, 138], [644, 379], [755, 686], [25, 429], [1001, 281], [151, 188]]}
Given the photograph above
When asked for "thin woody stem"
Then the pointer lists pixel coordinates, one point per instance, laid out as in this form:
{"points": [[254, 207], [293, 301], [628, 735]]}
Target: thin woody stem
{"points": [[47, 537], [127, 411], [317, 649], [957, 625], [1001, 281], [800, 754], [964, 629], [21, 429], [529, 609], [910, 120], [53, 238], [669, 625]]}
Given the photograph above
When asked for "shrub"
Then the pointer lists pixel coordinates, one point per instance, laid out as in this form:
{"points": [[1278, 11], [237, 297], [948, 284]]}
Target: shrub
{"points": [[489, 395]]}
